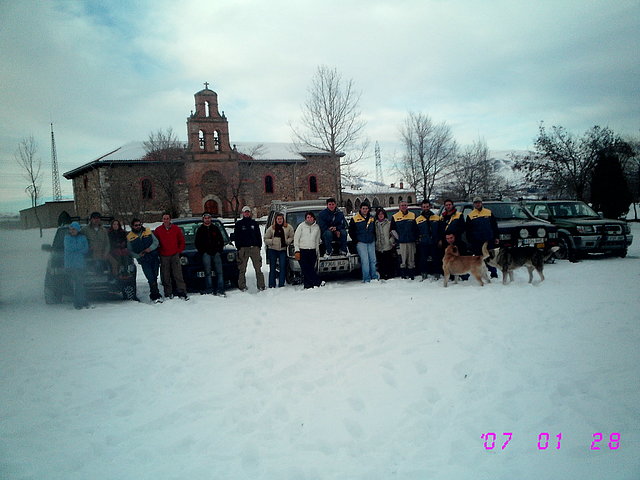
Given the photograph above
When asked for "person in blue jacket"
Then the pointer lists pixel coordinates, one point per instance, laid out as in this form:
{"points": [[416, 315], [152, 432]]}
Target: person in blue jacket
{"points": [[482, 227], [362, 229], [76, 247], [403, 222], [333, 226], [143, 246], [428, 225]]}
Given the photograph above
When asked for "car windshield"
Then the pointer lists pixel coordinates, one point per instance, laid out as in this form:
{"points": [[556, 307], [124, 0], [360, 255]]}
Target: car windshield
{"points": [[189, 230], [507, 211], [572, 209], [296, 218]]}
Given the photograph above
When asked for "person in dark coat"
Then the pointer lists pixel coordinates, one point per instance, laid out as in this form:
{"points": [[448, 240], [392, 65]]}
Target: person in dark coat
{"points": [[403, 222], [143, 246], [333, 226], [118, 253], [428, 225], [482, 227], [362, 229], [210, 244], [248, 242]]}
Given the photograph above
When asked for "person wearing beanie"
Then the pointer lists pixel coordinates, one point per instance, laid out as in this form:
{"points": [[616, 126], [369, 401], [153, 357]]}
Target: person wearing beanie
{"points": [[248, 242], [76, 248]]}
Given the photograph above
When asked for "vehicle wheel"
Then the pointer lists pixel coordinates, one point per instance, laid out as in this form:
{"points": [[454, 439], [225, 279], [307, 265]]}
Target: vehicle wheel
{"points": [[622, 253], [294, 278], [566, 252], [129, 291], [51, 295]]}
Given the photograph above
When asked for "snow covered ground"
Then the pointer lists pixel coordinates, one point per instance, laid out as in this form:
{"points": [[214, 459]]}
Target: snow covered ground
{"points": [[351, 381]]}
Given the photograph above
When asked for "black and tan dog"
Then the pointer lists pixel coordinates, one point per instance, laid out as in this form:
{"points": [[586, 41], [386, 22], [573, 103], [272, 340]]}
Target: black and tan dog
{"points": [[455, 264], [509, 259]]}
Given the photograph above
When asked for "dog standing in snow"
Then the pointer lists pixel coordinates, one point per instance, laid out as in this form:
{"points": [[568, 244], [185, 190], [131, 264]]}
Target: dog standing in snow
{"points": [[455, 264], [509, 259]]}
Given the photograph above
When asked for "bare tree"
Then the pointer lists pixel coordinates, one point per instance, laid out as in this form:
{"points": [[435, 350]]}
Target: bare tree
{"points": [[164, 148], [430, 151], [331, 119], [26, 158], [475, 173]]}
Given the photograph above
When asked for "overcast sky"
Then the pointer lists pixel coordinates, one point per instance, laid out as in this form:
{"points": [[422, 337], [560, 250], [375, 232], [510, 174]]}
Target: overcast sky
{"points": [[110, 72]]}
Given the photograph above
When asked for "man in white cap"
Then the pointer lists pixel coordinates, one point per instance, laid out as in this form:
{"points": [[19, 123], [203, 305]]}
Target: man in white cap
{"points": [[248, 241]]}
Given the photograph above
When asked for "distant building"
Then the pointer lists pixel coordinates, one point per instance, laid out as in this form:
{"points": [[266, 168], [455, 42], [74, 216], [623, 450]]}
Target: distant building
{"points": [[51, 214], [376, 193], [211, 174]]}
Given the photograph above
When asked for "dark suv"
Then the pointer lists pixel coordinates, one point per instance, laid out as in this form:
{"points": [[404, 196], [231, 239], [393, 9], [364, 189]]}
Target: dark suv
{"points": [[99, 279], [516, 226], [581, 230], [191, 260]]}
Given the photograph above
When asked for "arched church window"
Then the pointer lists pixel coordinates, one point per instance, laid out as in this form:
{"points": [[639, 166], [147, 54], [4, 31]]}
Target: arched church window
{"points": [[201, 139], [207, 112], [147, 189], [313, 184], [268, 184], [390, 201], [409, 199], [216, 140]]}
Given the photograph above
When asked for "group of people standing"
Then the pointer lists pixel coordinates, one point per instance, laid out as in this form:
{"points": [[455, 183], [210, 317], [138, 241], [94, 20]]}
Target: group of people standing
{"points": [[378, 241], [156, 251], [423, 237]]}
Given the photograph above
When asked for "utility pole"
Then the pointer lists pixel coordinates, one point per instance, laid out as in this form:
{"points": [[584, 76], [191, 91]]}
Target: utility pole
{"points": [[378, 165], [57, 192]]}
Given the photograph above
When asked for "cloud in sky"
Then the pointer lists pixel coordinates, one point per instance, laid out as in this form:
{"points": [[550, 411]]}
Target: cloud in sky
{"points": [[107, 73]]}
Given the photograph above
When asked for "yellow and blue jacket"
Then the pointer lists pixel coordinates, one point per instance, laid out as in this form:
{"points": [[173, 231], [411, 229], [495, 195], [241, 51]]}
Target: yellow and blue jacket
{"points": [[481, 227], [428, 228], [362, 229], [405, 226]]}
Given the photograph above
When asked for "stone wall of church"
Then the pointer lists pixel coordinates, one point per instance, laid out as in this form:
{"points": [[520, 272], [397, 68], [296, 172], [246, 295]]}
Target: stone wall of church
{"points": [[289, 181], [87, 193], [118, 191]]}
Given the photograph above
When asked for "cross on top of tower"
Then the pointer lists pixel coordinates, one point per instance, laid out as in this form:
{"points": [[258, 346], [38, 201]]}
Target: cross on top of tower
{"points": [[206, 85]]}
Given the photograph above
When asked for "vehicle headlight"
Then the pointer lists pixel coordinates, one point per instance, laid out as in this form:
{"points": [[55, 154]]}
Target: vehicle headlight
{"points": [[524, 233], [626, 228], [541, 232], [585, 229], [231, 257], [505, 236], [184, 261]]}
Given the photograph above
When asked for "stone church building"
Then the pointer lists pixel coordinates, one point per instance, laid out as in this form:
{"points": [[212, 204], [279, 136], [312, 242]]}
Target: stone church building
{"points": [[208, 173]]}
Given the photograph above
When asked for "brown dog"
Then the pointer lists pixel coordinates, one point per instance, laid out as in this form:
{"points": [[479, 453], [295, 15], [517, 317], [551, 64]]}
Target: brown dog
{"points": [[455, 264]]}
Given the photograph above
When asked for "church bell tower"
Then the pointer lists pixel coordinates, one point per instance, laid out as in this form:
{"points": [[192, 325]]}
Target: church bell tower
{"points": [[208, 130]]}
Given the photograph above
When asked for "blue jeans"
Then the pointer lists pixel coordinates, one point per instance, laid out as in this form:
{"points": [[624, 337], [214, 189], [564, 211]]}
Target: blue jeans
{"points": [[328, 236], [150, 264], [77, 276], [217, 268], [367, 254], [277, 257]]}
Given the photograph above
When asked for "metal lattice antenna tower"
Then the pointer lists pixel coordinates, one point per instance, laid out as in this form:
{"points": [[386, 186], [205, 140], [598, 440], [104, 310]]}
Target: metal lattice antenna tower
{"points": [[57, 192], [378, 165]]}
